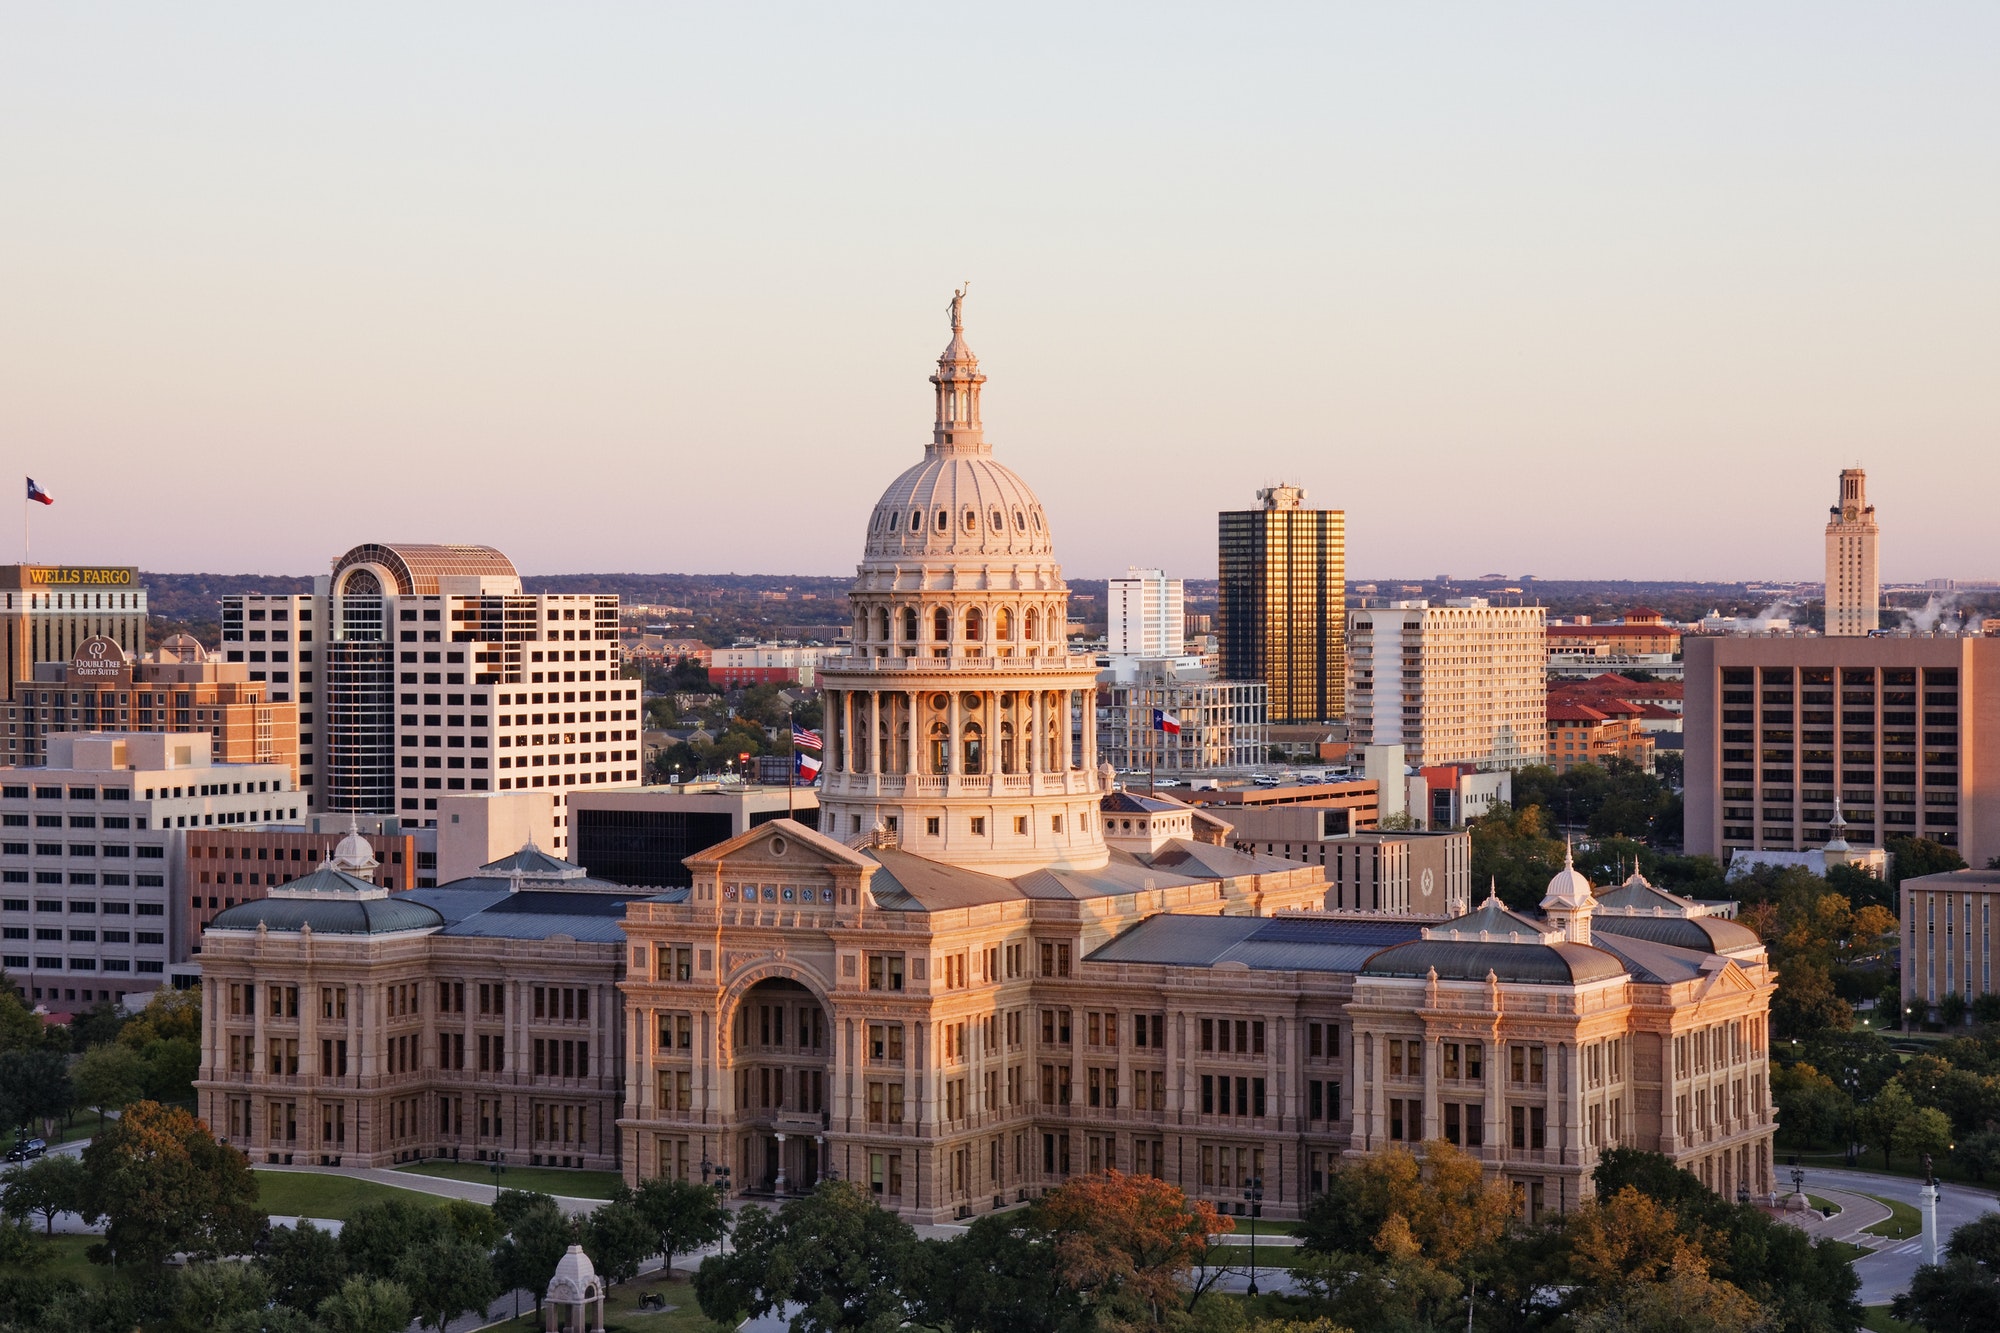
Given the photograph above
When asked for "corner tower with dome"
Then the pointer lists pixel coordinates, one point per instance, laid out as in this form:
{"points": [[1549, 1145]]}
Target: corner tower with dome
{"points": [[959, 725]]}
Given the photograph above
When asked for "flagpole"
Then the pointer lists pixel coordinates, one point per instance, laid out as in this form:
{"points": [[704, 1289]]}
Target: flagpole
{"points": [[791, 778]]}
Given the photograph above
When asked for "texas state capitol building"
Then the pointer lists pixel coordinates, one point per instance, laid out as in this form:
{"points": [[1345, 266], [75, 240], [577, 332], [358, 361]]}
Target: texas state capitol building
{"points": [[991, 971]]}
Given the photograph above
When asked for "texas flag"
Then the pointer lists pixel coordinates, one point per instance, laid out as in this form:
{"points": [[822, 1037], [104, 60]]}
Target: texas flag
{"points": [[37, 493], [807, 766], [1163, 721]]}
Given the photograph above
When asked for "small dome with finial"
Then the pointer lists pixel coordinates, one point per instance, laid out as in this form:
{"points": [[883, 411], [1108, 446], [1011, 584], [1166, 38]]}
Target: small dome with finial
{"points": [[1569, 887], [353, 853]]}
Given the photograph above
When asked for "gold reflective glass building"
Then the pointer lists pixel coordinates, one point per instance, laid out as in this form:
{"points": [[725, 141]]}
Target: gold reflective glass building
{"points": [[1282, 615]]}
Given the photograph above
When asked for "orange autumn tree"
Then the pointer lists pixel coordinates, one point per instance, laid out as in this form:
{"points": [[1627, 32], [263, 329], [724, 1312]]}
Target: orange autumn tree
{"points": [[165, 1186], [1127, 1243]]}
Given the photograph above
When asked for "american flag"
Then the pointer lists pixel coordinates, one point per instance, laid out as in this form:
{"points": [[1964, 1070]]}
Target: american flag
{"points": [[805, 740]]}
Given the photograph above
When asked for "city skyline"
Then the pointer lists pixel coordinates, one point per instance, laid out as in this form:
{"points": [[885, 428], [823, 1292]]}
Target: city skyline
{"points": [[1661, 264]]}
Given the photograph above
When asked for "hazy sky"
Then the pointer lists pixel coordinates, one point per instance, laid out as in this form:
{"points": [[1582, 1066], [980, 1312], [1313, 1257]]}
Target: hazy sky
{"points": [[1569, 290]]}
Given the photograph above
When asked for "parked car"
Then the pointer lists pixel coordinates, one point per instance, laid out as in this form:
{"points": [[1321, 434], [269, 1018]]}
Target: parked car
{"points": [[27, 1149]]}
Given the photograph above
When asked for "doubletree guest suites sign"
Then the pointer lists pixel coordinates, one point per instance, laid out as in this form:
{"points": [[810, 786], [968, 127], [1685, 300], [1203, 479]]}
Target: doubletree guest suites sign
{"points": [[97, 658], [79, 576]]}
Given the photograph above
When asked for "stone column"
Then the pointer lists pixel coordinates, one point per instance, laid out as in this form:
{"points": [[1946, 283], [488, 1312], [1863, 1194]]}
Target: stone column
{"points": [[1433, 1049], [1034, 736], [952, 764], [910, 766], [877, 749]]}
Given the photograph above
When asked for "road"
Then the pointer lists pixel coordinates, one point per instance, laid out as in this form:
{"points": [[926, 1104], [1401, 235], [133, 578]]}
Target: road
{"points": [[1887, 1272]]}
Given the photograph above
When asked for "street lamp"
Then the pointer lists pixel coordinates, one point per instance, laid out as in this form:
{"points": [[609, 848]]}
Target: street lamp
{"points": [[499, 1169], [1255, 1194]]}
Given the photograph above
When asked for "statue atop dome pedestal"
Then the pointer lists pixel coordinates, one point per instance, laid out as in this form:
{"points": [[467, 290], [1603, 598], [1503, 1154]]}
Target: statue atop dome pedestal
{"points": [[957, 300]]}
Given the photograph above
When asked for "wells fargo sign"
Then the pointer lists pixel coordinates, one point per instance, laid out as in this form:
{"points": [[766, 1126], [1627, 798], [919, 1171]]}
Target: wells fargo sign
{"points": [[79, 576]]}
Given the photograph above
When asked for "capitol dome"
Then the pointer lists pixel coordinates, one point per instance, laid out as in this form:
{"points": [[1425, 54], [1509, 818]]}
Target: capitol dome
{"points": [[958, 504]]}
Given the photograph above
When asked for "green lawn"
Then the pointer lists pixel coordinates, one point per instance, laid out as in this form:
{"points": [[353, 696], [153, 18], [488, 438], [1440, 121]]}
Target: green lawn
{"points": [[1905, 1222], [317, 1194], [1845, 1250], [1822, 1205], [622, 1313], [542, 1179], [84, 1126], [1268, 1256], [1262, 1227], [65, 1258], [1875, 1318]]}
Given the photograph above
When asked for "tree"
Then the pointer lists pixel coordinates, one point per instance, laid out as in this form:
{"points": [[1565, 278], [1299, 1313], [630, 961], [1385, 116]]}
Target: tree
{"points": [[537, 1236], [617, 1239], [303, 1265], [1681, 1303], [447, 1275], [167, 1036], [998, 1277], [1882, 1120], [1805, 1003], [1978, 1152], [1986, 1007], [108, 1075], [1628, 1238], [1809, 1105], [20, 1028], [211, 1296], [48, 1186], [166, 1186], [34, 1085], [1925, 1132], [1910, 858], [1961, 1295], [682, 1215], [96, 1025], [1126, 1243], [377, 1236], [364, 1305], [1803, 1285], [844, 1261]]}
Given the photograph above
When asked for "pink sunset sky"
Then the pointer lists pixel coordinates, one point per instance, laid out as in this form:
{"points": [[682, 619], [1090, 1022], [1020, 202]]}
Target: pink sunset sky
{"points": [[1567, 289]]}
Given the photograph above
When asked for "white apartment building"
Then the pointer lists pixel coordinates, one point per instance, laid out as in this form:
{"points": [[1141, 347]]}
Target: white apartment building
{"points": [[1144, 614], [1462, 683], [93, 857], [1853, 565], [425, 670]]}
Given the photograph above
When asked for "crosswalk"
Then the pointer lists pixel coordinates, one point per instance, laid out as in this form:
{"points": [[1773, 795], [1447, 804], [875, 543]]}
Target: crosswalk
{"points": [[1912, 1248]]}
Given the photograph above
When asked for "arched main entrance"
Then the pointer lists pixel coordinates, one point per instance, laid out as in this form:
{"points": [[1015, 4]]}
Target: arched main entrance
{"points": [[781, 1057]]}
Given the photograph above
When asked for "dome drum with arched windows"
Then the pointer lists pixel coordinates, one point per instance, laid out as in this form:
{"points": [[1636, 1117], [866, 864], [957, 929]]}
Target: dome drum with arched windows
{"points": [[959, 722]]}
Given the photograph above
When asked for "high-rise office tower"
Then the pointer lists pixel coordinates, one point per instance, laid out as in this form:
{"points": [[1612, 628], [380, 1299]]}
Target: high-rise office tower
{"points": [[1144, 615], [1853, 570], [405, 665], [1282, 611]]}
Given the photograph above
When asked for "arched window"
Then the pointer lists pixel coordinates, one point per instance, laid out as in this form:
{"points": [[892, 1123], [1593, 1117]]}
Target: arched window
{"points": [[1007, 764], [893, 520], [1020, 521], [974, 625], [941, 625], [1003, 624], [909, 624], [882, 623], [971, 520], [998, 522], [1033, 624], [973, 737], [943, 521], [938, 737], [916, 520]]}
